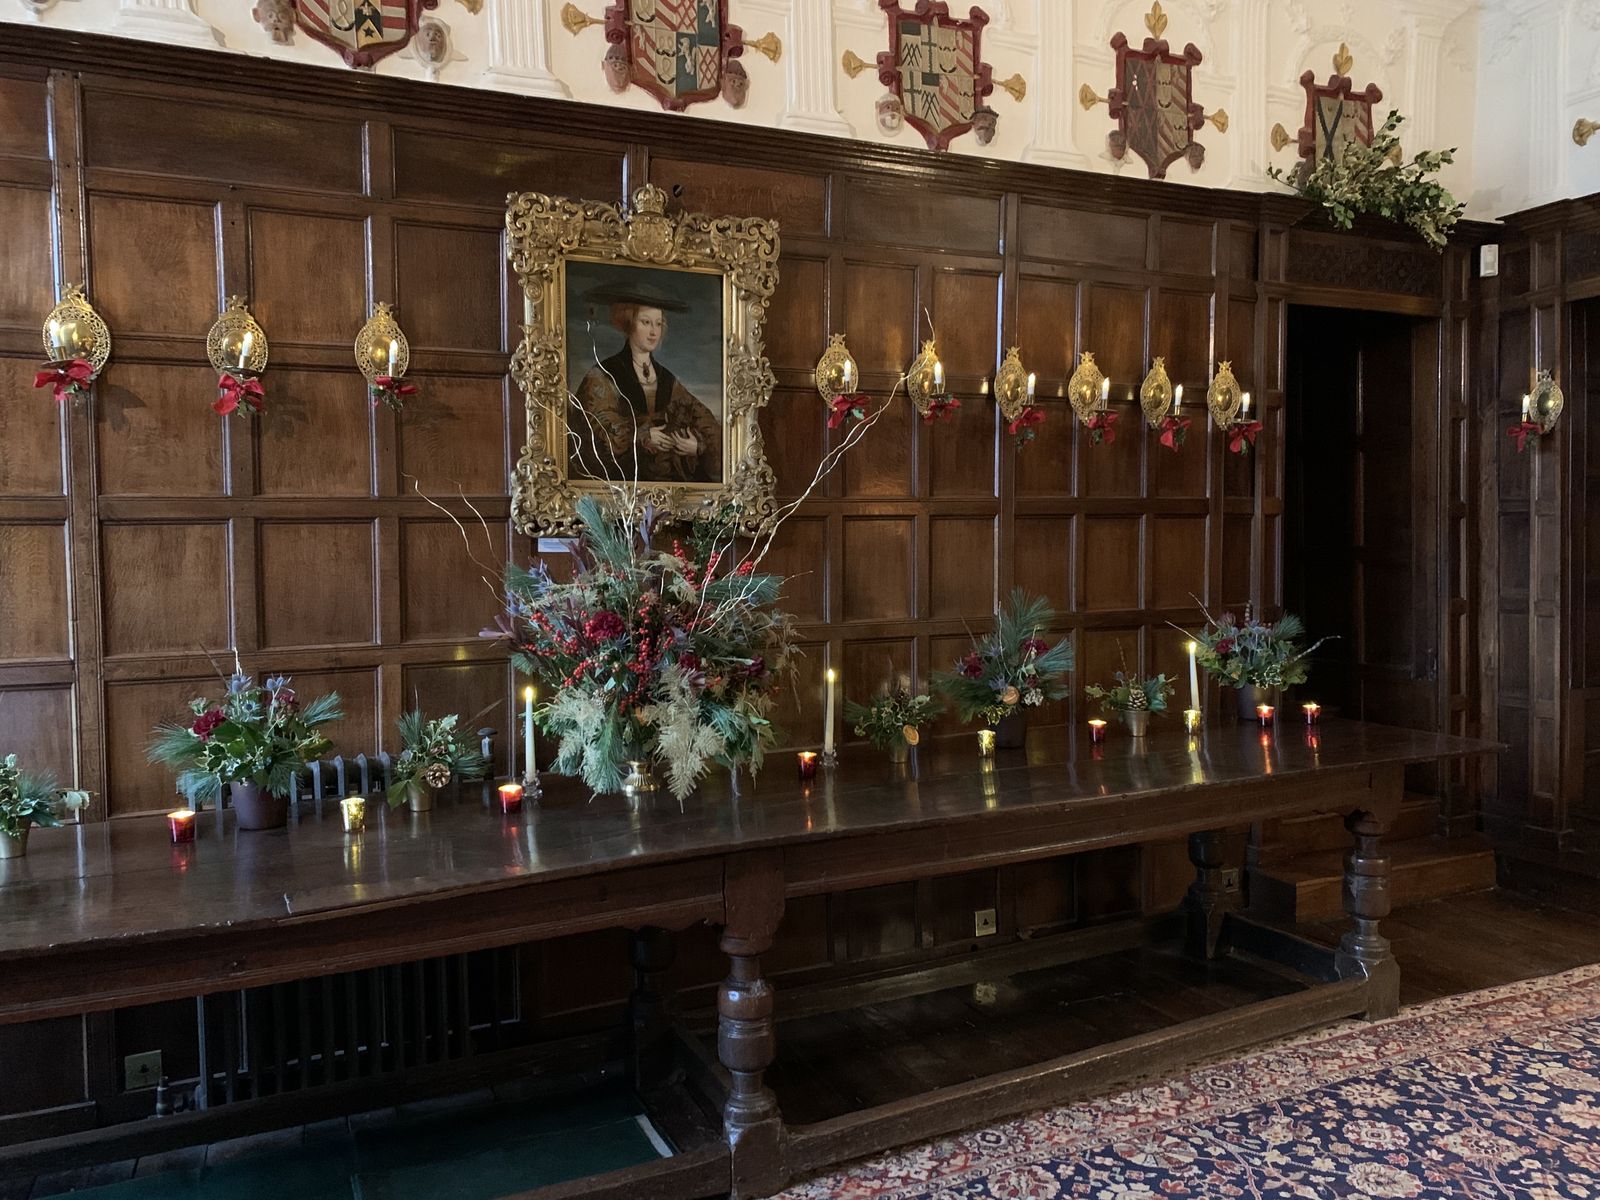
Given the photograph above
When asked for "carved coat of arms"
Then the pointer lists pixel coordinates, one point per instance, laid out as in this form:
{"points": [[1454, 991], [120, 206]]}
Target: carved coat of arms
{"points": [[935, 66], [1153, 100], [1336, 114], [361, 31], [678, 50]]}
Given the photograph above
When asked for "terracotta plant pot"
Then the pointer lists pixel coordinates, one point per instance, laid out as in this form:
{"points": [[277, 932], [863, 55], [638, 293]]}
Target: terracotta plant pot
{"points": [[1138, 722], [15, 847], [1251, 696], [1011, 732], [256, 809]]}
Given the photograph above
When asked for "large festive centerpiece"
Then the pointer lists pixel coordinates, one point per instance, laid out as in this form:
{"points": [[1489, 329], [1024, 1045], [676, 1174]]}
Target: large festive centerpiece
{"points": [[652, 654], [1257, 657], [28, 799], [253, 739], [1010, 670]]}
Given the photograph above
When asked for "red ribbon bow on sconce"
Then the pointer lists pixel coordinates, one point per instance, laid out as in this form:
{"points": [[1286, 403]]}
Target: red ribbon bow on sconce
{"points": [[1242, 434], [71, 380], [846, 408], [1522, 431], [1102, 428], [939, 408], [1173, 432], [1022, 427], [386, 389], [233, 392]]}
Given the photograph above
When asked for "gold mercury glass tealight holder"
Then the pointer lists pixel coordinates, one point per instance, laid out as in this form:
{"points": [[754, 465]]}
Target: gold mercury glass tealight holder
{"points": [[1191, 720], [986, 743], [354, 811]]}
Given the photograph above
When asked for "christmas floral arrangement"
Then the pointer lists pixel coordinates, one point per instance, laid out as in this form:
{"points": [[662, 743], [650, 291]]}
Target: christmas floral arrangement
{"points": [[893, 720], [28, 799], [1131, 694], [254, 734], [1373, 179], [1012, 668], [1254, 653], [672, 655], [433, 751]]}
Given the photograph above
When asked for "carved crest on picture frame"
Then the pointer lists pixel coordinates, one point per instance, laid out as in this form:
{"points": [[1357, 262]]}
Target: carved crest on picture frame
{"points": [[361, 31], [642, 361]]}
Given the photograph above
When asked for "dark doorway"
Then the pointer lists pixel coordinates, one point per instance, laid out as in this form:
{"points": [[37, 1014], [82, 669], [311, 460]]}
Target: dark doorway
{"points": [[1361, 517]]}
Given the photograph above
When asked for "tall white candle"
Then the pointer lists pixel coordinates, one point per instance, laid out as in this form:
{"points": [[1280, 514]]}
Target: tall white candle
{"points": [[1527, 402], [1177, 399], [827, 712], [1033, 381], [394, 354], [244, 348], [848, 374], [1194, 677], [1244, 404], [938, 376], [529, 771]]}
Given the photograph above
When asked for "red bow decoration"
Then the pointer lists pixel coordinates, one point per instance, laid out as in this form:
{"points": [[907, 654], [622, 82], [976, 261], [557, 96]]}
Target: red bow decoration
{"points": [[1522, 431], [233, 392], [847, 408], [1022, 427], [386, 389], [1102, 427], [1173, 431], [71, 380], [1240, 434], [939, 408]]}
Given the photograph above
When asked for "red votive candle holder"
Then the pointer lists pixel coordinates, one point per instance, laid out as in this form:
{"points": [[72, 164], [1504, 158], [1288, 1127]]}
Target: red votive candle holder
{"points": [[510, 798], [1264, 713], [806, 761], [1097, 731], [1312, 710], [181, 823]]}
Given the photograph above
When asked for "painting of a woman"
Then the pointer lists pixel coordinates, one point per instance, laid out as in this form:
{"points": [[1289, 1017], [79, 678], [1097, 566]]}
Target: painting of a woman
{"points": [[632, 415]]}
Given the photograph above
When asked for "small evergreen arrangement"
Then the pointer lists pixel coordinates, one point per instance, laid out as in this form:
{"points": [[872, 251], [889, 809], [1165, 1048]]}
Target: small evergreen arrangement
{"points": [[433, 752], [1373, 179], [27, 798], [1254, 653], [1011, 668], [1132, 694], [253, 734], [895, 717]]}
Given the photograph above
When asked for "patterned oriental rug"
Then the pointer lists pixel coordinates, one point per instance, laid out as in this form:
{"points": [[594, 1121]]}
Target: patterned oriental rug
{"points": [[1494, 1094]]}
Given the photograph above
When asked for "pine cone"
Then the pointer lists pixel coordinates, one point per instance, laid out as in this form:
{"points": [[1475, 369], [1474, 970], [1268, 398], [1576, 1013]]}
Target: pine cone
{"points": [[1137, 700], [436, 776]]}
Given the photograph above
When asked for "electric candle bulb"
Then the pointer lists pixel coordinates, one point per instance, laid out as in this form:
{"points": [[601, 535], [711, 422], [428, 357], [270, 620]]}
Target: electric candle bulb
{"points": [[938, 375], [847, 375], [1032, 381], [1177, 398], [1244, 404], [1527, 403], [1105, 392], [394, 355], [244, 348]]}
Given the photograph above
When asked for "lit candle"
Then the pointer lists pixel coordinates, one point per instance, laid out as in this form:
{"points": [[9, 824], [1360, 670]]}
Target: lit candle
{"points": [[938, 376], [1527, 403], [1105, 392], [1033, 381], [806, 760], [1244, 405], [181, 823], [1177, 399], [1264, 715], [1097, 730], [847, 376], [530, 769], [827, 713], [354, 811], [394, 355], [244, 348], [1191, 720], [1312, 710], [510, 797], [1194, 676], [986, 743], [59, 346]]}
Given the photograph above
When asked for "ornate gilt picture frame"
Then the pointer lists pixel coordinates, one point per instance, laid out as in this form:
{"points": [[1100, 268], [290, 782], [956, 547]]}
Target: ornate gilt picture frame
{"points": [[642, 362]]}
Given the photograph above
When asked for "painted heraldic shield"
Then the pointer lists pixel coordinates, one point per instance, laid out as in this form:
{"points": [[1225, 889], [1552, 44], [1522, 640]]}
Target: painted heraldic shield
{"points": [[676, 48], [935, 65], [1336, 117], [362, 31], [1153, 101]]}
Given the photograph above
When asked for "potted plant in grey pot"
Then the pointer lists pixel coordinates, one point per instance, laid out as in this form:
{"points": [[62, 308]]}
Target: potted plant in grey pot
{"points": [[433, 751], [28, 799], [1136, 699], [1010, 670], [1257, 658], [894, 721], [253, 739]]}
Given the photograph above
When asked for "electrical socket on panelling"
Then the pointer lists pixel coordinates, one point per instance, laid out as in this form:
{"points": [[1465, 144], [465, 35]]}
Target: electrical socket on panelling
{"points": [[983, 922], [141, 1070]]}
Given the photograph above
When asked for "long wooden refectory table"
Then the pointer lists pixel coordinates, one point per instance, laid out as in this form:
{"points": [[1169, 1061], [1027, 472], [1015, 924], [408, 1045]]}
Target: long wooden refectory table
{"points": [[109, 915]]}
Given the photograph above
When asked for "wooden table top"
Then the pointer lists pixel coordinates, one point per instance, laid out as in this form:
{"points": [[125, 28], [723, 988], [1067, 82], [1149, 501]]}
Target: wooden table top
{"points": [[116, 881]]}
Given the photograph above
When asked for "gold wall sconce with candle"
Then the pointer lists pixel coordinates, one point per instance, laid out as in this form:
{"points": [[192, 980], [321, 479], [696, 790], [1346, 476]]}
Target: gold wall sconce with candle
{"points": [[1089, 393], [384, 356], [1541, 409], [1230, 409], [237, 347], [837, 378], [926, 387], [77, 346], [1014, 388], [1162, 404]]}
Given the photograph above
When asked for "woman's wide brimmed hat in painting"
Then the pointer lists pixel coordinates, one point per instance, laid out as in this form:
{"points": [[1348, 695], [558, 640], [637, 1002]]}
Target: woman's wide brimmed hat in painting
{"points": [[634, 292]]}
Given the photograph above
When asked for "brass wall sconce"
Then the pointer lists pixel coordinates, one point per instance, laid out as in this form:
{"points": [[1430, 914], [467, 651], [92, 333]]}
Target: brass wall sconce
{"points": [[237, 348], [77, 345], [1228, 404], [1541, 409], [1162, 404], [1014, 388], [837, 373], [1089, 393], [383, 356], [926, 387]]}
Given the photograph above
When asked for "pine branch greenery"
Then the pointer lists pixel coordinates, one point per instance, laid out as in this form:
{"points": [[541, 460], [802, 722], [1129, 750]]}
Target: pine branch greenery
{"points": [[32, 798], [1011, 668], [432, 753], [1373, 179], [1254, 653], [892, 718]]}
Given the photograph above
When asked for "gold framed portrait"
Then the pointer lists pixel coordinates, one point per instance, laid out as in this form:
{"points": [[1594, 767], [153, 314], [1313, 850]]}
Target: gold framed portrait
{"points": [[641, 363]]}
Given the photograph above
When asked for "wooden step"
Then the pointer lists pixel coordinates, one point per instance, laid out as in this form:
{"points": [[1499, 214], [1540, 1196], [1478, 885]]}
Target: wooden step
{"points": [[1292, 837], [1308, 887]]}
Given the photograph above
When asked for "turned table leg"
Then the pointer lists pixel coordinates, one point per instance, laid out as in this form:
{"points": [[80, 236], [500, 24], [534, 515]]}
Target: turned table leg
{"points": [[1210, 899], [746, 1036], [1363, 950], [652, 1060]]}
